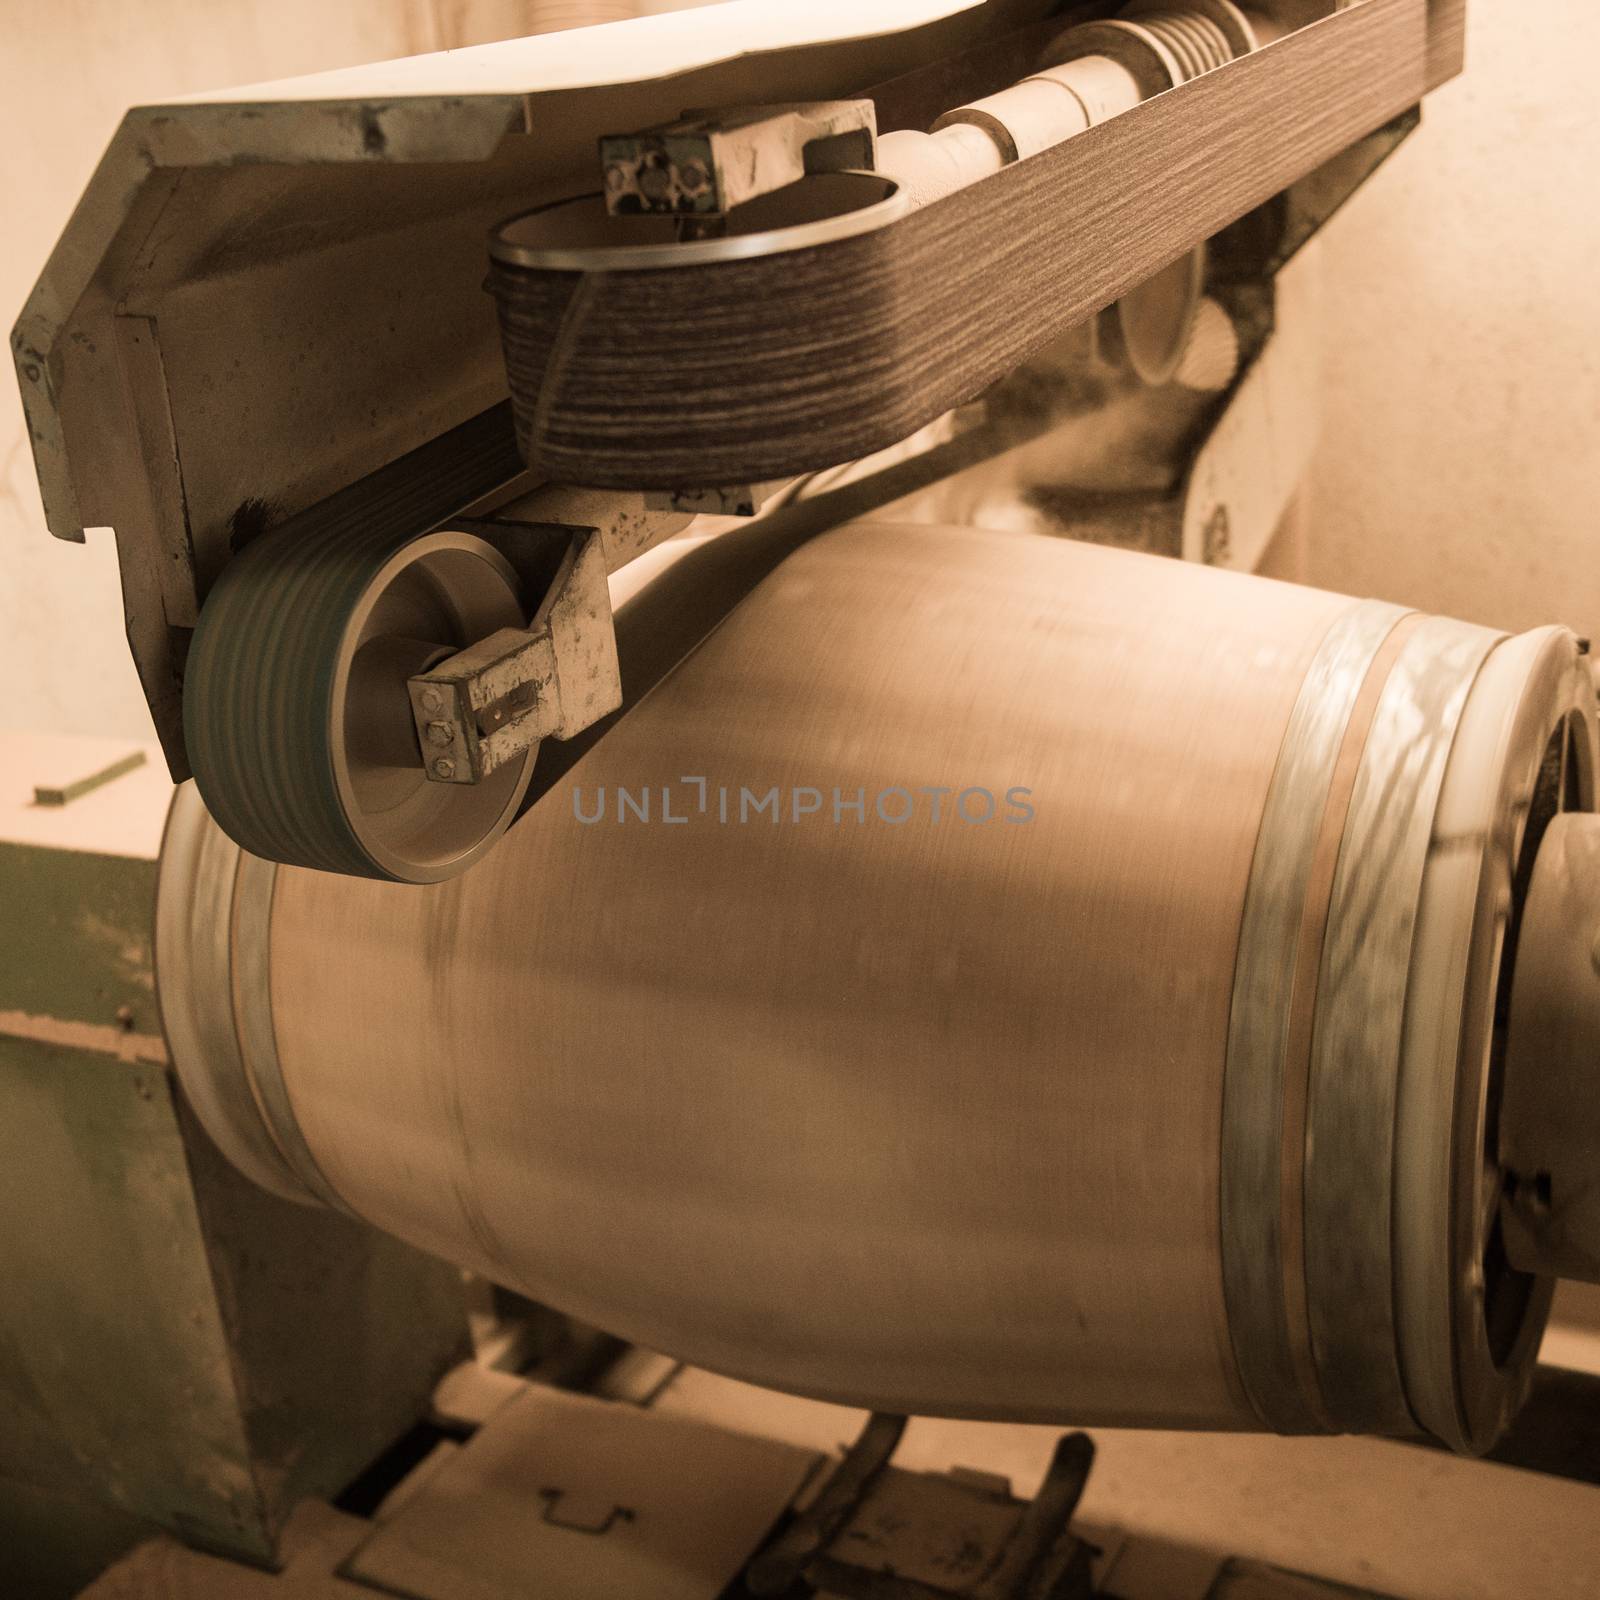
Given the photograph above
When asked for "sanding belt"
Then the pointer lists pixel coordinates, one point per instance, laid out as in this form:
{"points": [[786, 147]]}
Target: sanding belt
{"points": [[748, 370]]}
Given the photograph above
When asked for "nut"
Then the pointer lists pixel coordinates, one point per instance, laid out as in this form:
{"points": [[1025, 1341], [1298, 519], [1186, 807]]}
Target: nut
{"points": [[444, 767]]}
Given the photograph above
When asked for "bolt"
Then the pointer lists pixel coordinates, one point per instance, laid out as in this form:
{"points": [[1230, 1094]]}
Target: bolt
{"points": [[432, 700], [654, 184], [441, 734], [692, 176], [444, 767]]}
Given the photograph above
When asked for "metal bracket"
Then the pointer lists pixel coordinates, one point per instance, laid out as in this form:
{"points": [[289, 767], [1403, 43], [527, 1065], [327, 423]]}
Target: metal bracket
{"points": [[779, 1567], [719, 500], [491, 702], [706, 165], [878, 1533]]}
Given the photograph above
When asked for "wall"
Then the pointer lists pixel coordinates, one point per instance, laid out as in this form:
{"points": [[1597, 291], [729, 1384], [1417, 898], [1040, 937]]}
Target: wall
{"points": [[1459, 468]]}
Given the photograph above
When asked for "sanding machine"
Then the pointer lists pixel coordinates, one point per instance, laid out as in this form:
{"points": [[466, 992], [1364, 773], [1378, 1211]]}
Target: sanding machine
{"points": [[744, 786]]}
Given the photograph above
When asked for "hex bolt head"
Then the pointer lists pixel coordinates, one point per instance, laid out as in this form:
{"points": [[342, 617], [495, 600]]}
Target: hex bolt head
{"points": [[444, 767], [432, 700], [441, 734]]}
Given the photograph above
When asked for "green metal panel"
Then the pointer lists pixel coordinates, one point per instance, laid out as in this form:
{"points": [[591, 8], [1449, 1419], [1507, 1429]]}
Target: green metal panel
{"points": [[177, 1347], [52, 1546], [75, 936], [116, 1374]]}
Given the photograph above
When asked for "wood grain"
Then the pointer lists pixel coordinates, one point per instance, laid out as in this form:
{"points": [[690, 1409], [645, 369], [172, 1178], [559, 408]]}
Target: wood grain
{"points": [[750, 370], [1447, 40]]}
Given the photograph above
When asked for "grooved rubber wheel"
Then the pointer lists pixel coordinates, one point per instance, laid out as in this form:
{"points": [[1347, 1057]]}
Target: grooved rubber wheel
{"points": [[296, 714]]}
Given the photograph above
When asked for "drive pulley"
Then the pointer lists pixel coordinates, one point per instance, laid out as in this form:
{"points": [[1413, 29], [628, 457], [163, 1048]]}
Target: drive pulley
{"points": [[370, 702]]}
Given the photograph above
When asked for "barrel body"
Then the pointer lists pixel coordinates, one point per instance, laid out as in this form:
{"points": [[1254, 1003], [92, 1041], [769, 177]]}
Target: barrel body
{"points": [[974, 982]]}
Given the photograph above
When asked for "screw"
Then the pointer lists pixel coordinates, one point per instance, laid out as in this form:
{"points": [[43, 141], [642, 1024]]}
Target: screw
{"points": [[444, 767], [432, 700], [441, 734]]}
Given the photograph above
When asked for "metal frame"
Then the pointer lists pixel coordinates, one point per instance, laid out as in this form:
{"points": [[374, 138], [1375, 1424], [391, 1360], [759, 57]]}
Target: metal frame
{"points": [[211, 348]]}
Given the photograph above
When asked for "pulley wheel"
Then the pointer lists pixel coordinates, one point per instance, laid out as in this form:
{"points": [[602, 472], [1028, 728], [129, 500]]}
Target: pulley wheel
{"points": [[296, 712], [1157, 317]]}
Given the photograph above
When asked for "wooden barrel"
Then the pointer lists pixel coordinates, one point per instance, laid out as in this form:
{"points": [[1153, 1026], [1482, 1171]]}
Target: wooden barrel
{"points": [[993, 976]]}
